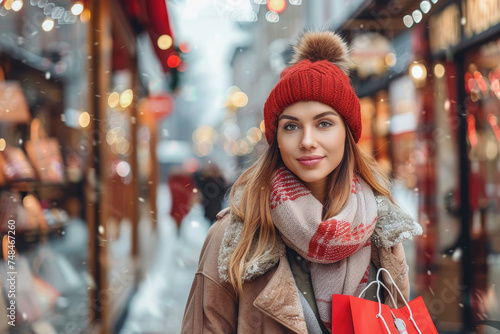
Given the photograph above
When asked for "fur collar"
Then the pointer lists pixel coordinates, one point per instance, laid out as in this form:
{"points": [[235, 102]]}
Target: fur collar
{"points": [[393, 226]]}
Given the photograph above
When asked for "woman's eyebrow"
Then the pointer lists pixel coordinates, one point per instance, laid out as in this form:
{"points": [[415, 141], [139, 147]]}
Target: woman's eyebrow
{"points": [[324, 114], [288, 117]]}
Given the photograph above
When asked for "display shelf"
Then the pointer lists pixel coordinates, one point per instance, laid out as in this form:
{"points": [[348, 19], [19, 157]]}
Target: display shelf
{"points": [[31, 59], [31, 186], [42, 190]]}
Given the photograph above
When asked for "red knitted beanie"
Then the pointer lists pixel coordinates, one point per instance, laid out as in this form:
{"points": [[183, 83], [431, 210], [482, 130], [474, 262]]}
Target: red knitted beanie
{"points": [[317, 72]]}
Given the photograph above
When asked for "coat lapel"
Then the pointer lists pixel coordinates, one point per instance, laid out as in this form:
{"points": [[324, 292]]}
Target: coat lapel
{"points": [[280, 300]]}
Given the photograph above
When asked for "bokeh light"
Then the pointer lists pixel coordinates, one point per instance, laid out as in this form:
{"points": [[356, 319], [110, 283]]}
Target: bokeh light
{"points": [[390, 59], [184, 47], [254, 135], [8, 4], [85, 16], [84, 119], [491, 150], [203, 149], [417, 16], [113, 99], [231, 147], [122, 147], [418, 71], [494, 77], [165, 42], [77, 8], [447, 105], [17, 5], [191, 165], [492, 119], [272, 17], [240, 99], [48, 24], [243, 147], [408, 21], [235, 98], [3, 144], [262, 126], [123, 169], [173, 61], [425, 6], [204, 133], [439, 70], [115, 135], [126, 98], [277, 6]]}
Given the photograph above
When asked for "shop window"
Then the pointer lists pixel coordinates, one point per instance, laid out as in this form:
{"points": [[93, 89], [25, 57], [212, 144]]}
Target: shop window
{"points": [[43, 163], [482, 87]]}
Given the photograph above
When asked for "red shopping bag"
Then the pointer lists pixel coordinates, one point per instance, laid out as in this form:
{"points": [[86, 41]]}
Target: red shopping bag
{"points": [[354, 315]]}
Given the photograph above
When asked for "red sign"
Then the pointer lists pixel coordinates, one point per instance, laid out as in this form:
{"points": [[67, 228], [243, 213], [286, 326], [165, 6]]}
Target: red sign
{"points": [[158, 106]]}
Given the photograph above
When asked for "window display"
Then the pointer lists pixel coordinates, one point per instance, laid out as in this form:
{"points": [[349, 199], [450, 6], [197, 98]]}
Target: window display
{"points": [[43, 78]]}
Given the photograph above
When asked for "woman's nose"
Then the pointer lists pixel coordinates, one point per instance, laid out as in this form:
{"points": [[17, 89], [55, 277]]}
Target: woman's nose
{"points": [[308, 139]]}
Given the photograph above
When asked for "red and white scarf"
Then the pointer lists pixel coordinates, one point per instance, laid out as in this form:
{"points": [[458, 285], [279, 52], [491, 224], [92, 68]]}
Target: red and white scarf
{"points": [[338, 248]]}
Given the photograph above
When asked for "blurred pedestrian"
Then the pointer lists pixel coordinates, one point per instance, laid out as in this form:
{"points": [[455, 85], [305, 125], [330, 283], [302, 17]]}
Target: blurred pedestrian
{"points": [[213, 186], [312, 217], [182, 187]]}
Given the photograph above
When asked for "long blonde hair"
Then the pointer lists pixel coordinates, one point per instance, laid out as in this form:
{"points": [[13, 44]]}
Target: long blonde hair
{"points": [[253, 208]]}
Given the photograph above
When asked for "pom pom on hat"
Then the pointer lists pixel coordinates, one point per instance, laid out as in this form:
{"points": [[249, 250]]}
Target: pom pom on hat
{"points": [[325, 45], [318, 72]]}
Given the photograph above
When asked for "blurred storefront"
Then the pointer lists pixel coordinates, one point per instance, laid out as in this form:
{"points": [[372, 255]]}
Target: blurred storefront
{"points": [[77, 158], [464, 44], [427, 76]]}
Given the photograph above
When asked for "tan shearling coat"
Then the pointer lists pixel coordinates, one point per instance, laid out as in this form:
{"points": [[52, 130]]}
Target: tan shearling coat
{"points": [[270, 302]]}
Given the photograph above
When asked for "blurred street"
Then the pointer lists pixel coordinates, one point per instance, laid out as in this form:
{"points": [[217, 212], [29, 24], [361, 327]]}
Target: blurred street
{"points": [[124, 124], [158, 305]]}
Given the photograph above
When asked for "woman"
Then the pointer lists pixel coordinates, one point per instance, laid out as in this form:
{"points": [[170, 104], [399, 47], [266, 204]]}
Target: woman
{"points": [[311, 218]]}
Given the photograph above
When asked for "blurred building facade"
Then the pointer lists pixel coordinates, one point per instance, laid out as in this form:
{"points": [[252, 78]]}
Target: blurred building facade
{"points": [[78, 172], [427, 83], [419, 75]]}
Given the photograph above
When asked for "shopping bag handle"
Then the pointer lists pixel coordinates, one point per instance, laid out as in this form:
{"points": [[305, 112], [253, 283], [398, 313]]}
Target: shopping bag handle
{"points": [[379, 314], [385, 287], [379, 283]]}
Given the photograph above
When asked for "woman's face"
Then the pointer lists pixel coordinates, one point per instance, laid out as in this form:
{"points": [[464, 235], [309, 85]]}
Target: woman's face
{"points": [[311, 138]]}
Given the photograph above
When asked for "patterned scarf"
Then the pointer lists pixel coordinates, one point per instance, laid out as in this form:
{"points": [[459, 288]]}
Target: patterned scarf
{"points": [[338, 249]]}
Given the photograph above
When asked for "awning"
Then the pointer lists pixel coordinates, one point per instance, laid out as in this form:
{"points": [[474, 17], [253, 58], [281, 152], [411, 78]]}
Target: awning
{"points": [[153, 16]]}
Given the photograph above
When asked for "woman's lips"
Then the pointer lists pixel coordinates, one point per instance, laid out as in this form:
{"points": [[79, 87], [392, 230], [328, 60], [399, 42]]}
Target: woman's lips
{"points": [[310, 160]]}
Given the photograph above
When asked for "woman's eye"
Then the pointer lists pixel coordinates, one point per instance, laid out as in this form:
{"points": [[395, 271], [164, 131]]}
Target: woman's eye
{"points": [[290, 127], [324, 124]]}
